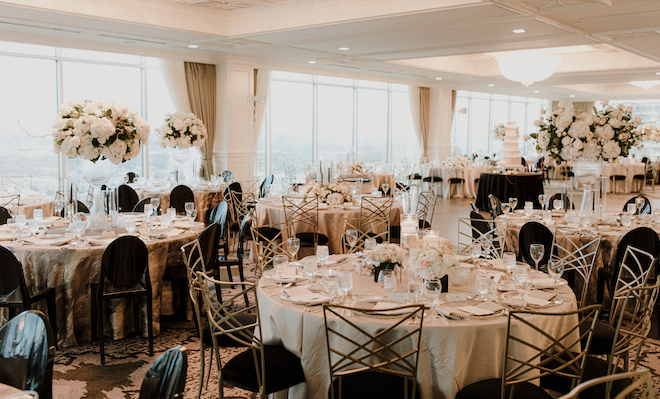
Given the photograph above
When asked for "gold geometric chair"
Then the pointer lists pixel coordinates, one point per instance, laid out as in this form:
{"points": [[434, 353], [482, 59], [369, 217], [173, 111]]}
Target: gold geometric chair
{"points": [[262, 368], [380, 365], [375, 211], [267, 241], [303, 213], [641, 378], [378, 229], [532, 353], [491, 235], [578, 253]]}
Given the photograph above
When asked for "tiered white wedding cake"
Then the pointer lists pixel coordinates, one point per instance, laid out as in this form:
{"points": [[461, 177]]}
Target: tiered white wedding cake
{"points": [[511, 152]]}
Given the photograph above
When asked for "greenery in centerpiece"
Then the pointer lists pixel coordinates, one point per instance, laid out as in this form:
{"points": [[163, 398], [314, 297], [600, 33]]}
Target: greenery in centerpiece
{"points": [[499, 131], [314, 189], [433, 261], [565, 134], [182, 130], [104, 130]]}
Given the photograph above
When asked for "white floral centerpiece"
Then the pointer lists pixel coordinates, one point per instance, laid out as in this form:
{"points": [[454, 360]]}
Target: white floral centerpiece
{"points": [[96, 131], [435, 261], [351, 168], [499, 131], [182, 130], [314, 189], [458, 161], [566, 135], [386, 254], [649, 133]]}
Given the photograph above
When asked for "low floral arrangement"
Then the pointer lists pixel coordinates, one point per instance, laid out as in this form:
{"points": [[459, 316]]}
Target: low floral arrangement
{"points": [[565, 135], [386, 254], [182, 130], [96, 131], [458, 161], [649, 133], [434, 261], [314, 189], [499, 131], [351, 168]]}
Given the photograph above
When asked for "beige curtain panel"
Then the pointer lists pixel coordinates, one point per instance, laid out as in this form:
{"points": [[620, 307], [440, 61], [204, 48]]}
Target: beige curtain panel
{"points": [[201, 83], [420, 103]]}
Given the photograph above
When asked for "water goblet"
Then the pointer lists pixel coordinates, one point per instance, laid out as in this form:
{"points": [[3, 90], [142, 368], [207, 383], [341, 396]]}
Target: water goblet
{"points": [[130, 225], [509, 262], [78, 225], [536, 251], [293, 246], [639, 204], [546, 216], [555, 270], [626, 220], [155, 202], [474, 250], [557, 204], [148, 211], [38, 214], [33, 226], [351, 238], [329, 283], [188, 207], [513, 202], [433, 292], [13, 229], [529, 208], [166, 221], [523, 286], [171, 212], [542, 199], [310, 267], [322, 253], [345, 280], [506, 207], [416, 288], [280, 263], [21, 222], [631, 208], [386, 188], [482, 285]]}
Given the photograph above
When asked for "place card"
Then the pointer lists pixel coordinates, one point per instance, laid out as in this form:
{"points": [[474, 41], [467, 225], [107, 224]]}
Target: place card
{"points": [[398, 297], [455, 297]]}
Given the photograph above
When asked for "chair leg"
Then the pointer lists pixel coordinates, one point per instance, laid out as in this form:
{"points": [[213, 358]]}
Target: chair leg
{"points": [[93, 313], [99, 317], [52, 314], [150, 322], [242, 277]]}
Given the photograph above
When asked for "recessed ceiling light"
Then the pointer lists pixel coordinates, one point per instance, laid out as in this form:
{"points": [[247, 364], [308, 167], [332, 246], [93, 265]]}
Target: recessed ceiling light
{"points": [[536, 91], [491, 85], [438, 78], [311, 62], [192, 46], [572, 95], [518, 31], [657, 73], [344, 48]]}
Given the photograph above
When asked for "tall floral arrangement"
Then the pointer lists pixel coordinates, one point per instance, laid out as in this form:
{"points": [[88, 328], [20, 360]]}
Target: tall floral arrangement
{"points": [[499, 131], [104, 130], [182, 130], [649, 133], [434, 261], [566, 134]]}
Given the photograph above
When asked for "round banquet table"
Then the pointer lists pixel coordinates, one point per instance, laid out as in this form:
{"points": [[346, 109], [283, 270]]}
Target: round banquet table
{"points": [[607, 251], [450, 357], [205, 198], [377, 181], [469, 173], [71, 271], [29, 204], [524, 186], [329, 221]]}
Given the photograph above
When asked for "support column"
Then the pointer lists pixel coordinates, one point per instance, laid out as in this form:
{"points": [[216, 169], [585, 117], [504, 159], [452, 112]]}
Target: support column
{"points": [[233, 144], [440, 121]]}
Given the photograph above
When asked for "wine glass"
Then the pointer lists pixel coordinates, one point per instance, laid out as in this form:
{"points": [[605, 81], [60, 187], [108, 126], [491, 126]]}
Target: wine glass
{"points": [[542, 199], [329, 283], [280, 263], [509, 262], [57, 208], [416, 288], [155, 202], [626, 220], [557, 204], [386, 188], [482, 285], [351, 238], [38, 214], [78, 225], [322, 253], [537, 251], [513, 202], [474, 250], [293, 246], [33, 226], [130, 225], [310, 266], [21, 222], [506, 207], [631, 208], [13, 228], [555, 270], [523, 286], [148, 211], [189, 206], [166, 221], [345, 280], [432, 292], [639, 204]]}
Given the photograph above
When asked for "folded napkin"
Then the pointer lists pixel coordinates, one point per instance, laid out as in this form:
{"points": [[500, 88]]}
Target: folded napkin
{"points": [[184, 224], [334, 260], [7, 237], [538, 298], [323, 206], [49, 241], [462, 258], [102, 241], [48, 221], [543, 283], [482, 309], [302, 294]]}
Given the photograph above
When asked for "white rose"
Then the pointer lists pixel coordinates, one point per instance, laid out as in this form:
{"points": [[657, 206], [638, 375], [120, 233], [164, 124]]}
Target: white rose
{"points": [[607, 133], [578, 129], [561, 104], [615, 123]]}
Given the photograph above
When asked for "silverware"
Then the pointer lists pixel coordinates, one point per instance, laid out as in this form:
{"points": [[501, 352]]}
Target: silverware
{"points": [[310, 310]]}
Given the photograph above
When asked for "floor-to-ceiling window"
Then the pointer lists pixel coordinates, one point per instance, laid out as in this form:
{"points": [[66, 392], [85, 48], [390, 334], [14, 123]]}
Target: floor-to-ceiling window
{"points": [[311, 118], [36, 79], [477, 114]]}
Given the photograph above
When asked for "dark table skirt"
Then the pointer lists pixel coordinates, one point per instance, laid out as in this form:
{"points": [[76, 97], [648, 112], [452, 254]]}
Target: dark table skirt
{"points": [[525, 187]]}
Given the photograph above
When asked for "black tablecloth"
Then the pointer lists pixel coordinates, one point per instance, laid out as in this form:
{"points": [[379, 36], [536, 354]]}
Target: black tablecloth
{"points": [[525, 187]]}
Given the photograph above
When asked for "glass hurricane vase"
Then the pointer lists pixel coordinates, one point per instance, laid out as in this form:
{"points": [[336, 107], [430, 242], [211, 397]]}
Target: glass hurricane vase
{"points": [[586, 172], [97, 174], [180, 155]]}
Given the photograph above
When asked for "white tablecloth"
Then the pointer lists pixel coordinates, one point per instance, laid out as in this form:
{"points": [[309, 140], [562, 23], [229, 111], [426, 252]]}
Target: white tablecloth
{"points": [[450, 357], [330, 220], [205, 198], [628, 170], [468, 173], [28, 206]]}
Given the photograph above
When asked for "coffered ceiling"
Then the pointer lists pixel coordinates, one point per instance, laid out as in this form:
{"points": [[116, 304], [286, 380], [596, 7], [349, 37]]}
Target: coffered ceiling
{"points": [[603, 44]]}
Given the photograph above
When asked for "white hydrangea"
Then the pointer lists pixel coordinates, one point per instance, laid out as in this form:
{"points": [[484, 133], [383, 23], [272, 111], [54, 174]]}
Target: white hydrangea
{"points": [[611, 149], [181, 130]]}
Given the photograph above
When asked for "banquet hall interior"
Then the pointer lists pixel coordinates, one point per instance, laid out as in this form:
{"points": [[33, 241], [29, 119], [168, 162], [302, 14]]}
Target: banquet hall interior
{"points": [[314, 199]]}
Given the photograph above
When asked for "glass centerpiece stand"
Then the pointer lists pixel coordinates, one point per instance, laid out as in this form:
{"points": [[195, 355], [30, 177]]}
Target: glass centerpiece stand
{"points": [[587, 171], [97, 174], [180, 155]]}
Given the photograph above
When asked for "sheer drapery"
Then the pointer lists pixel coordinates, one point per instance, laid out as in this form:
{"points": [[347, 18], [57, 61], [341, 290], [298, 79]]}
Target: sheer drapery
{"points": [[260, 101], [174, 75], [586, 107], [201, 84], [420, 101]]}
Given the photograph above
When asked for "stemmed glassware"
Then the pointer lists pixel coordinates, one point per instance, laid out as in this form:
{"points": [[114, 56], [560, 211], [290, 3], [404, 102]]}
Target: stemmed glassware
{"points": [[20, 222], [310, 266], [166, 221], [536, 251], [631, 208], [386, 188], [13, 228], [639, 204], [557, 204], [293, 246], [506, 207], [38, 214], [191, 212], [351, 238], [509, 262], [155, 202], [416, 288], [482, 285], [148, 211], [130, 225], [33, 226], [329, 283], [59, 205], [474, 250], [523, 286], [513, 202], [78, 225], [345, 280], [322, 254], [542, 199], [432, 292], [280, 264], [555, 270]]}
